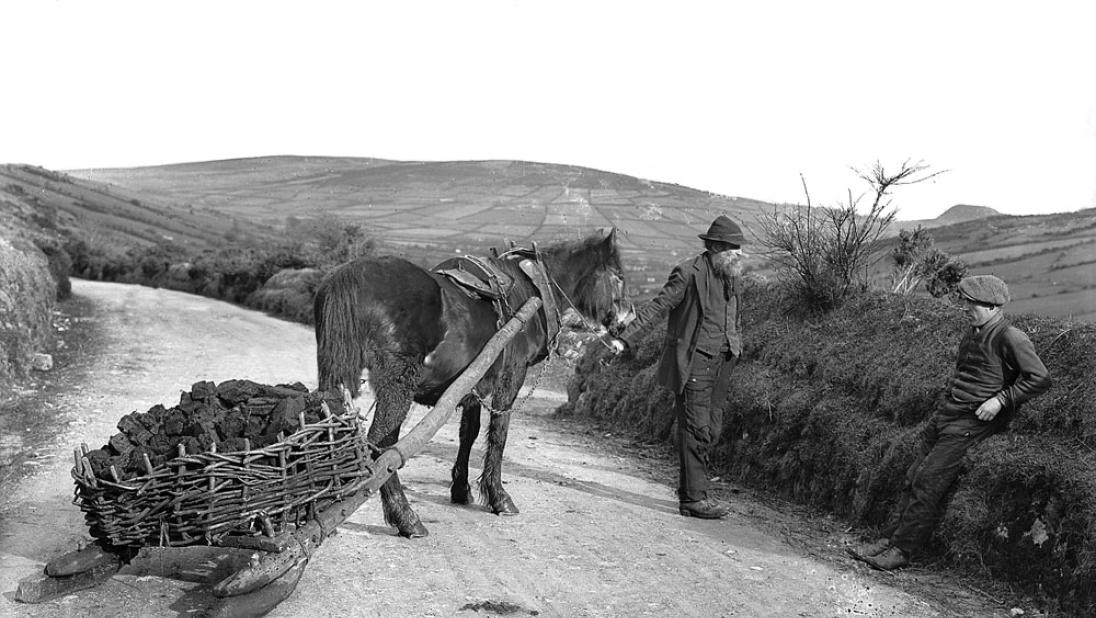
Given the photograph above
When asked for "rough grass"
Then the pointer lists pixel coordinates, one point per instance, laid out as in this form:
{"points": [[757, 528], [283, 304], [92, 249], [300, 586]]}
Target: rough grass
{"points": [[827, 412]]}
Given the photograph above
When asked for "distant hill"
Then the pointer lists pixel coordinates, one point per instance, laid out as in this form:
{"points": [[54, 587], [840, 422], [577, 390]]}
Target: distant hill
{"points": [[430, 210], [956, 214], [1049, 261], [965, 212]]}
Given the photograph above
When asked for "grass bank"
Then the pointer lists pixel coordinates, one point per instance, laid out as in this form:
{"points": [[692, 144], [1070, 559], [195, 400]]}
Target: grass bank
{"points": [[33, 277]]}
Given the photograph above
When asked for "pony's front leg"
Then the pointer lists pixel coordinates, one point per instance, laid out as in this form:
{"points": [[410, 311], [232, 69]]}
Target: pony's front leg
{"points": [[394, 388], [460, 491], [398, 511], [503, 398]]}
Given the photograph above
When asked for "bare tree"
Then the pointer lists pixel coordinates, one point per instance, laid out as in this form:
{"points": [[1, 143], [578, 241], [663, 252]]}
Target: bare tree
{"points": [[824, 254]]}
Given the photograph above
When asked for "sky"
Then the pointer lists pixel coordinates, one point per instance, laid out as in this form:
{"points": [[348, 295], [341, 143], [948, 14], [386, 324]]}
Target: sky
{"points": [[750, 99]]}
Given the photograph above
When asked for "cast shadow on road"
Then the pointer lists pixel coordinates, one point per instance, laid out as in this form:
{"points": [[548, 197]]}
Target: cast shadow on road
{"points": [[449, 453]]}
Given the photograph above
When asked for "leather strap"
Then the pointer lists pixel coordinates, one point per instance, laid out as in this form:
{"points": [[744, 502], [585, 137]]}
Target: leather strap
{"points": [[552, 318]]}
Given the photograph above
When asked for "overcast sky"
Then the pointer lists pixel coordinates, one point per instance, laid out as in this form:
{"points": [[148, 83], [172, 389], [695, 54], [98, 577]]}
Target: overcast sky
{"points": [[739, 100]]}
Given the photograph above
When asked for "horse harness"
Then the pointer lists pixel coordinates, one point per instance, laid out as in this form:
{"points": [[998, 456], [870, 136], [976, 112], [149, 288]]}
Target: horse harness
{"points": [[480, 279]]}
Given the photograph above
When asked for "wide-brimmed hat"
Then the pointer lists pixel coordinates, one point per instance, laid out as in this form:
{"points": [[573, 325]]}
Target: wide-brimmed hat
{"points": [[724, 230], [985, 289]]}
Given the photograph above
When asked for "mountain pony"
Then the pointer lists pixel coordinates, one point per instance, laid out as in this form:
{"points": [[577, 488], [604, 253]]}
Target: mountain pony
{"points": [[415, 331]]}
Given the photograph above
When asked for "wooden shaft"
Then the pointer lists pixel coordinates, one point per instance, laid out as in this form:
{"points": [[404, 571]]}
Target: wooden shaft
{"points": [[414, 441]]}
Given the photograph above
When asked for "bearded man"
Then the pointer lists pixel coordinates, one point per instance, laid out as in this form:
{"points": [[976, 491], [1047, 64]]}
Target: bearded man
{"points": [[703, 342]]}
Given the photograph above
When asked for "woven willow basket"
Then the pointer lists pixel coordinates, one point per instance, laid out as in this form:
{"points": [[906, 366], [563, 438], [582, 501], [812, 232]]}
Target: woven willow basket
{"points": [[200, 498]]}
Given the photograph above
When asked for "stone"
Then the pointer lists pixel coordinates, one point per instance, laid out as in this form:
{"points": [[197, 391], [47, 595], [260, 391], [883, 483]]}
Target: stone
{"points": [[41, 362]]}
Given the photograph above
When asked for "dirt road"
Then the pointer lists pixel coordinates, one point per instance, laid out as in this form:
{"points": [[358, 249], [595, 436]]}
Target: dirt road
{"points": [[598, 534]]}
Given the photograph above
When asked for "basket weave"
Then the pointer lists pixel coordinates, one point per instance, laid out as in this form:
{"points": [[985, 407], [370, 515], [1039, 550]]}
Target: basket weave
{"points": [[199, 498]]}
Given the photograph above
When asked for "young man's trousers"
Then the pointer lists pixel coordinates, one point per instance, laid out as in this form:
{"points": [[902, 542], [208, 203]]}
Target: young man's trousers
{"points": [[944, 441]]}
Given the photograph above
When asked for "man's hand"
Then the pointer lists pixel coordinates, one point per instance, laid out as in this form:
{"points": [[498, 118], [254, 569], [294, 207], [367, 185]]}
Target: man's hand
{"points": [[616, 345], [989, 409]]}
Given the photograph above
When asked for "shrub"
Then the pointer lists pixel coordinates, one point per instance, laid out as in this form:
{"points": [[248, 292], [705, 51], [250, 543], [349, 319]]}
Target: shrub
{"points": [[824, 254], [236, 273], [916, 261], [289, 293]]}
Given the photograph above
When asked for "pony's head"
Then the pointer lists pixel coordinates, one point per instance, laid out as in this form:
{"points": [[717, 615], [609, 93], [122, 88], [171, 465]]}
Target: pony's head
{"points": [[590, 274]]}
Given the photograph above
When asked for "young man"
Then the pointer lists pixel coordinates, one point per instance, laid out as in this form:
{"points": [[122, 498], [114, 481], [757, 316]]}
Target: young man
{"points": [[997, 369], [702, 343]]}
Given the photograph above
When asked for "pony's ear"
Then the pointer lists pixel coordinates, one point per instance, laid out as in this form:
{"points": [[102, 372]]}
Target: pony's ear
{"points": [[609, 247]]}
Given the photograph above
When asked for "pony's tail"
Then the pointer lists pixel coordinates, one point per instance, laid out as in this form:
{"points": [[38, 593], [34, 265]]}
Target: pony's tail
{"points": [[340, 346]]}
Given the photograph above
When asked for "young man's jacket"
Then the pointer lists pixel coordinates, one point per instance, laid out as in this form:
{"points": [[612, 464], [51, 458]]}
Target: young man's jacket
{"points": [[996, 359], [684, 297]]}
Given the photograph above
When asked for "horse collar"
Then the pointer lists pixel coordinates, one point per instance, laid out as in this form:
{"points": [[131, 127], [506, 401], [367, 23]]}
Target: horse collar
{"points": [[552, 319]]}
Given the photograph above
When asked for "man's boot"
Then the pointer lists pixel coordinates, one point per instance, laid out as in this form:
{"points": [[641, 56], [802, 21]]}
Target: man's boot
{"points": [[705, 509], [869, 549], [890, 559]]}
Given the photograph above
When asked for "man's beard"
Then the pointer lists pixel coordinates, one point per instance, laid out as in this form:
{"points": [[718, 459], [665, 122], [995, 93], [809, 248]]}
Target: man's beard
{"points": [[727, 264]]}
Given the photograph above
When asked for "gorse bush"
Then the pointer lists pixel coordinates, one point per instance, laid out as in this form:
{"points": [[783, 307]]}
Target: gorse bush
{"points": [[915, 261]]}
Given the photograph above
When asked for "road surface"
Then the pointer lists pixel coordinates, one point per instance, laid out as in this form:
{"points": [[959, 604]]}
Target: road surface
{"points": [[598, 533]]}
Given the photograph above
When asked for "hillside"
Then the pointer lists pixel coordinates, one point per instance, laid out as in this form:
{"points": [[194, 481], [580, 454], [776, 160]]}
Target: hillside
{"points": [[429, 210], [1049, 261], [121, 216]]}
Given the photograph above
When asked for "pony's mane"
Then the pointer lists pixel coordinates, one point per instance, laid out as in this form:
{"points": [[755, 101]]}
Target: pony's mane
{"points": [[583, 246], [577, 258], [574, 265]]}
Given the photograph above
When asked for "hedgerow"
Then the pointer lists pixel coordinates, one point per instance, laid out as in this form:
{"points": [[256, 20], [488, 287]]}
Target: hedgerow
{"points": [[826, 410], [276, 277]]}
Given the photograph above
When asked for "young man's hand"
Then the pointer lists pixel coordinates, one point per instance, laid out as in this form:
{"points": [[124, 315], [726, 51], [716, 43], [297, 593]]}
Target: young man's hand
{"points": [[989, 409]]}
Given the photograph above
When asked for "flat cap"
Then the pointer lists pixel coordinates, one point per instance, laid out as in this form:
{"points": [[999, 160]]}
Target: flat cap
{"points": [[986, 289]]}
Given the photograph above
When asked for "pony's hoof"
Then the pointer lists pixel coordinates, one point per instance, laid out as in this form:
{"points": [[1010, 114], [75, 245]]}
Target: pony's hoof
{"points": [[415, 531], [505, 506], [460, 495]]}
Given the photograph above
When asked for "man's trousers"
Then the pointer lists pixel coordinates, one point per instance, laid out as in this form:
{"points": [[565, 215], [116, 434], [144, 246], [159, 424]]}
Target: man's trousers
{"points": [[699, 410]]}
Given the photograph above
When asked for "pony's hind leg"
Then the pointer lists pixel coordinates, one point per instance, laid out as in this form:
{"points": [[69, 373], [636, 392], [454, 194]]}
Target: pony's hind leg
{"points": [[506, 391], [460, 491], [393, 380]]}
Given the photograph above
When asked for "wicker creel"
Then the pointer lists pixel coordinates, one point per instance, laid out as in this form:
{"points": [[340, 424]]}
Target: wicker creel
{"points": [[200, 498]]}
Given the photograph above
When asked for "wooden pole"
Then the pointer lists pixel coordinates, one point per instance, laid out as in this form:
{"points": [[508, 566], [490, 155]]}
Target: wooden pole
{"points": [[414, 441]]}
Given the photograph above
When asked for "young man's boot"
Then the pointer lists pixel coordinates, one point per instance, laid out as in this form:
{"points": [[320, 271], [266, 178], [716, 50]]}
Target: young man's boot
{"points": [[890, 559], [869, 549], [705, 509]]}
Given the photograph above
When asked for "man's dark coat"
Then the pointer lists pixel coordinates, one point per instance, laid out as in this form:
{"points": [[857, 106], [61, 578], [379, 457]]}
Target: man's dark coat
{"points": [[683, 297]]}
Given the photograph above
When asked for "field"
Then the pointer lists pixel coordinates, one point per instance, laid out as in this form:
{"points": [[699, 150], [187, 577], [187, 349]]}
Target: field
{"points": [[1049, 261]]}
